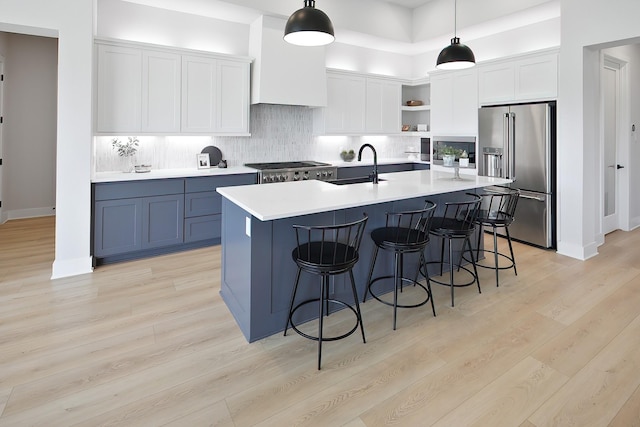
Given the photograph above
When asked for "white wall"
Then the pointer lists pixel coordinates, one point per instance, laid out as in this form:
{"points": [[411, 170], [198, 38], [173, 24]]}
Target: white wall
{"points": [[71, 21], [29, 143], [587, 26]]}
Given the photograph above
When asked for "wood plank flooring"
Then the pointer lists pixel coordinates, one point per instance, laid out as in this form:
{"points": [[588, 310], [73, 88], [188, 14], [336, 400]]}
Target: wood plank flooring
{"points": [[150, 343]]}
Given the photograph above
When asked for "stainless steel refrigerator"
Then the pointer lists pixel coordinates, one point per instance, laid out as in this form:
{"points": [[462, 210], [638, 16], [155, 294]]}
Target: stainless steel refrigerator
{"points": [[518, 142]]}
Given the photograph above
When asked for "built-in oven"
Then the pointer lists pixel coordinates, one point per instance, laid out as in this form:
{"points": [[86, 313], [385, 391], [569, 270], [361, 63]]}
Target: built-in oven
{"points": [[461, 144], [293, 171]]}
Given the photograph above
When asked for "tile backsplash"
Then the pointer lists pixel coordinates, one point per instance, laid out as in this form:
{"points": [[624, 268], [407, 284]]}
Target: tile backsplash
{"points": [[278, 133]]}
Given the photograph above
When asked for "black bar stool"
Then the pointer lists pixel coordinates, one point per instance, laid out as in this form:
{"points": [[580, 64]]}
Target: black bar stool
{"points": [[497, 210], [327, 251], [457, 222], [404, 232]]}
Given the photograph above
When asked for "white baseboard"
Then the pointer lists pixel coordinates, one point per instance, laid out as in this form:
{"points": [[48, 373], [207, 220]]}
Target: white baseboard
{"points": [[71, 267], [30, 213], [577, 251], [634, 223]]}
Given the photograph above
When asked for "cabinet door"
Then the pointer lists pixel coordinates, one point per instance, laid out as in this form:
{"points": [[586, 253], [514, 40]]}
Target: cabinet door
{"points": [[160, 92], [233, 97], [117, 226], [496, 83], [382, 108], [536, 78], [465, 102], [162, 221], [441, 104], [345, 111], [119, 91], [198, 94]]}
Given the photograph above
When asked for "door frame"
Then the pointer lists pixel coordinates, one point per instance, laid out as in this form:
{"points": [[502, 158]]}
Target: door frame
{"points": [[622, 143], [3, 216]]}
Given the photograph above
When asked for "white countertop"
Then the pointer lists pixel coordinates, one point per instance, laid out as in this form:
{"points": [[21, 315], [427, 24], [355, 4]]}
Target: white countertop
{"points": [[268, 202], [168, 173]]}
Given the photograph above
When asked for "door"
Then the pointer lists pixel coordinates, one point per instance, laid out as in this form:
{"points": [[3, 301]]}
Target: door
{"points": [[531, 147], [2, 219], [492, 141], [610, 142]]}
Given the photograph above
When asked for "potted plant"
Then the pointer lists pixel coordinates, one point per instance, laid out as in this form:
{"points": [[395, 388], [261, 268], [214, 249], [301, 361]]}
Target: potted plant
{"points": [[126, 149], [449, 154], [347, 156]]}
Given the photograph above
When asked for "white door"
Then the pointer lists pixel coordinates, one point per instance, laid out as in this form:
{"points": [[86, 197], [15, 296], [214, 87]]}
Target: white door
{"points": [[613, 163], [2, 218]]}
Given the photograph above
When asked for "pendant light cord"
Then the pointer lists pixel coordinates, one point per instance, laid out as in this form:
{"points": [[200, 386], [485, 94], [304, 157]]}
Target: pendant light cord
{"points": [[455, 18]]}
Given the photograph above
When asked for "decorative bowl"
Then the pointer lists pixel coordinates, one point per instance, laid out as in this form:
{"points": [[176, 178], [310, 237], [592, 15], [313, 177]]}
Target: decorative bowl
{"points": [[142, 168], [347, 156], [414, 103]]}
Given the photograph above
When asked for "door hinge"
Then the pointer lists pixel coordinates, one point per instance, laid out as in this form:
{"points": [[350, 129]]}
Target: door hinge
{"points": [[1, 77], [0, 162], [1, 120]]}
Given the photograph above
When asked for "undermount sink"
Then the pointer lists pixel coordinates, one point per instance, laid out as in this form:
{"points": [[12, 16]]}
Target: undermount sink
{"points": [[356, 180]]}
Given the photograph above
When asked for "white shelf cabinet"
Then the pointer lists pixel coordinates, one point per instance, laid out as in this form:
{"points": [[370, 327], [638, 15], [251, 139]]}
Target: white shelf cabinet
{"points": [[418, 115], [119, 89], [359, 105], [454, 103], [526, 78], [214, 96], [156, 90]]}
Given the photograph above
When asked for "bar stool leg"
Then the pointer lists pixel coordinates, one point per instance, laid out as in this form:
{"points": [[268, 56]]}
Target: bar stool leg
{"points": [[355, 299], [495, 255], [396, 278], [423, 263], [513, 258], [373, 264], [473, 263], [451, 269], [293, 297], [324, 280]]}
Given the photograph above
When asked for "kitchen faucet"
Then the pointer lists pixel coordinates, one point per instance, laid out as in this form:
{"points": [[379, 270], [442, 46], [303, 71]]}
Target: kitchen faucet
{"points": [[374, 175]]}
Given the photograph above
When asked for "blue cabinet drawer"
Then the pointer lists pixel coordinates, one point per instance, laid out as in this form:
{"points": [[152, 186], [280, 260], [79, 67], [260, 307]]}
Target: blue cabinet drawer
{"points": [[202, 228], [130, 189], [210, 183], [205, 203]]}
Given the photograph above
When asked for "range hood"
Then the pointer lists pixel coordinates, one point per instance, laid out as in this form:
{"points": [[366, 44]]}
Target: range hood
{"points": [[283, 73]]}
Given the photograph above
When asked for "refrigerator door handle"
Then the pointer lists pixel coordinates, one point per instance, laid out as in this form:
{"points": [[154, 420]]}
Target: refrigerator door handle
{"points": [[506, 172], [539, 199], [512, 149]]}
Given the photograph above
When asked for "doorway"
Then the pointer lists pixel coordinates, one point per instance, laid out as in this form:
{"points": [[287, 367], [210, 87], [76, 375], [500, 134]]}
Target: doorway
{"points": [[614, 176]]}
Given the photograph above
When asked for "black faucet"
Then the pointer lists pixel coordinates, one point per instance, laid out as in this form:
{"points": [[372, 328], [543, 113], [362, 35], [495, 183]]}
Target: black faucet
{"points": [[374, 175]]}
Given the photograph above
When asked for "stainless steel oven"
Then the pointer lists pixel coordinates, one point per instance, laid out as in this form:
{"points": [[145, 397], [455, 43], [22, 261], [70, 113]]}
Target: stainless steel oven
{"points": [[462, 143], [293, 171]]}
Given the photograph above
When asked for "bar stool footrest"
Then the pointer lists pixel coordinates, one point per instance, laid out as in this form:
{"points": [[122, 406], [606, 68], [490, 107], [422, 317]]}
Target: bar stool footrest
{"points": [[493, 267], [447, 283], [404, 279], [317, 300]]}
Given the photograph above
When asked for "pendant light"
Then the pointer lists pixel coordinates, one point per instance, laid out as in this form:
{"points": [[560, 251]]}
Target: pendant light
{"points": [[456, 56], [309, 26]]}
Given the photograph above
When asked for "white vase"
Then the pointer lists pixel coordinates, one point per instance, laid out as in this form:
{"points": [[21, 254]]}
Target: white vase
{"points": [[448, 159], [129, 164]]}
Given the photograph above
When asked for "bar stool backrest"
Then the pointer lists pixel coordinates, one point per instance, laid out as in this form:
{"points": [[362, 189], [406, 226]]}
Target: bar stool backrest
{"points": [[498, 206], [411, 227], [458, 218], [328, 248]]}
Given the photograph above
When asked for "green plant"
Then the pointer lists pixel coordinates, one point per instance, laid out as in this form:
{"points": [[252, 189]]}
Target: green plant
{"points": [[451, 151], [125, 149]]}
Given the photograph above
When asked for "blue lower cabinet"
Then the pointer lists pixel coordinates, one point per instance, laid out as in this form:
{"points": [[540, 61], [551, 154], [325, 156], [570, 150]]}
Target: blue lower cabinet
{"points": [[162, 221], [118, 226], [202, 228]]}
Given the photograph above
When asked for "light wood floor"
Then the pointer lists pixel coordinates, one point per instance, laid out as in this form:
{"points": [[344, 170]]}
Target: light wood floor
{"points": [[150, 343]]}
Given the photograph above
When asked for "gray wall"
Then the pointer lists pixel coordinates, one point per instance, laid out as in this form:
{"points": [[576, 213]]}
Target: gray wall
{"points": [[29, 143]]}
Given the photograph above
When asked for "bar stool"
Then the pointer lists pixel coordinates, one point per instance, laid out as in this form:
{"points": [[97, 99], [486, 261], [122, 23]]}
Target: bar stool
{"points": [[326, 251], [457, 222], [497, 210], [404, 232]]}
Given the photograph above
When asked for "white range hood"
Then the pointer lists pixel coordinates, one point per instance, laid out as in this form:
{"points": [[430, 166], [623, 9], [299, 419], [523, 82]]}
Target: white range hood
{"points": [[282, 73]]}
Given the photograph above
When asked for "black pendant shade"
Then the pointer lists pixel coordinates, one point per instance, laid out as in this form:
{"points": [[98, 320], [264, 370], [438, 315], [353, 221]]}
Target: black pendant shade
{"points": [[456, 56], [309, 27]]}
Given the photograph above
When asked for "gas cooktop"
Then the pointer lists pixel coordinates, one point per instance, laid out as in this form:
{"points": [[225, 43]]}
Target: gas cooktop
{"points": [[285, 165]]}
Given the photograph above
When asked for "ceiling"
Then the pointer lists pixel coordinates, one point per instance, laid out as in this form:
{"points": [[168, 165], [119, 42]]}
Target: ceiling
{"points": [[411, 4]]}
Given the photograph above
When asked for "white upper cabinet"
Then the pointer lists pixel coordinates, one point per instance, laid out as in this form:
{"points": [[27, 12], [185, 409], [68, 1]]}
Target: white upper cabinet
{"points": [[160, 92], [119, 89], [359, 105], [153, 90], [382, 100], [454, 102], [532, 77]]}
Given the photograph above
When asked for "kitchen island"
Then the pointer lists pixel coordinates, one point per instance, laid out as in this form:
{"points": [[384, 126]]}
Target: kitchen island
{"points": [[257, 236]]}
